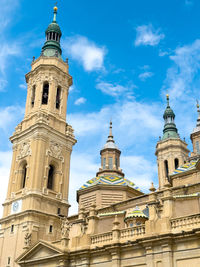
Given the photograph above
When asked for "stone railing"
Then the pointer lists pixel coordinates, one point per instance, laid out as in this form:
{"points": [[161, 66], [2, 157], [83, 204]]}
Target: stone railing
{"points": [[132, 231], [69, 130], [102, 238], [125, 233], [185, 222]]}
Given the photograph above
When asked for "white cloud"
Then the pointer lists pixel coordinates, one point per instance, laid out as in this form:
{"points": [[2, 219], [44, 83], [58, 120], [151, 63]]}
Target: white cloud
{"points": [[147, 35], [80, 101], [113, 89], [86, 52], [7, 9], [22, 86], [145, 75], [12, 114], [138, 118], [181, 76], [139, 170]]}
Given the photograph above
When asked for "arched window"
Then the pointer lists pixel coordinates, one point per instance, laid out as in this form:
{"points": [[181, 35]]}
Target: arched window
{"points": [[110, 163], [50, 177], [176, 163], [166, 168], [58, 97], [45, 94], [24, 173], [33, 96]]}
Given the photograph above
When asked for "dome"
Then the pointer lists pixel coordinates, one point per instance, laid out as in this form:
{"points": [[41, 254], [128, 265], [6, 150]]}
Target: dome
{"points": [[110, 144], [109, 180], [168, 113], [54, 27], [136, 213]]}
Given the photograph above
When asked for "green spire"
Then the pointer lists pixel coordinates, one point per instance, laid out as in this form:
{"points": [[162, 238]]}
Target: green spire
{"points": [[170, 130], [53, 34]]}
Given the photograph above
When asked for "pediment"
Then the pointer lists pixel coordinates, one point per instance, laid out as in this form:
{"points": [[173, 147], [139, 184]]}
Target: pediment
{"points": [[39, 251]]}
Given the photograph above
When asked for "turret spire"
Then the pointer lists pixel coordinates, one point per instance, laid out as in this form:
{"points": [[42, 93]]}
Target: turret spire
{"points": [[170, 130], [55, 13], [110, 157], [53, 33], [110, 136]]}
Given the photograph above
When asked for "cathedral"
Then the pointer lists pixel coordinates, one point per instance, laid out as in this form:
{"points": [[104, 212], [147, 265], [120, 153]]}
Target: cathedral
{"points": [[117, 225]]}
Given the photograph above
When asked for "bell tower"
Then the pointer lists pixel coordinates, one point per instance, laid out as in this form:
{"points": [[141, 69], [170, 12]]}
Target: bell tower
{"points": [[171, 151], [42, 145]]}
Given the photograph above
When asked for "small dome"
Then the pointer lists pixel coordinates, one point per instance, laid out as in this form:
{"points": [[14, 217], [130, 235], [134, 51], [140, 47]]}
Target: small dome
{"points": [[54, 27], [168, 113], [136, 213], [110, 145]]}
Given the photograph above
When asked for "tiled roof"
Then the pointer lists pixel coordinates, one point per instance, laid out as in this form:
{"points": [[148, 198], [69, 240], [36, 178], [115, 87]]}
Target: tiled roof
{"points": [[109, 180], [135, 213], [186, 167]]}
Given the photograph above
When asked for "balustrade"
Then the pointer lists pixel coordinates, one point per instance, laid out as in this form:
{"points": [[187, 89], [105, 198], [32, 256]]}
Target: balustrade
{"points": [[184, 222]]}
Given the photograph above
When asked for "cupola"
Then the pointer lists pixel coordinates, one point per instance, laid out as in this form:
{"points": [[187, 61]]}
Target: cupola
{"points": [[53, 34]]}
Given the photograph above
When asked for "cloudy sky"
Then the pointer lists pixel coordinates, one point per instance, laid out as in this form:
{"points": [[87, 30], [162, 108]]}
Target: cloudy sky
{"points": [[124, 57]]}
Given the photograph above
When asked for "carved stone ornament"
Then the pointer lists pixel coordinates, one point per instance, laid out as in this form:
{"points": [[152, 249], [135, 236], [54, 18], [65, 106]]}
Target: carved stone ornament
{"points": [[55, 150], [27, 240], [42, 118], [65, 228], [25, 150]]}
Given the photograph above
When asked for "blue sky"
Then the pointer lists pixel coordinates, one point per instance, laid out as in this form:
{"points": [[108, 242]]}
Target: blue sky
{"points": [[124, 57]]}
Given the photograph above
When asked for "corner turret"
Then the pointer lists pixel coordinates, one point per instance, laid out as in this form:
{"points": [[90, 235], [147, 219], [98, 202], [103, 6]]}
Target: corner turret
{"points": [[171, 151]]}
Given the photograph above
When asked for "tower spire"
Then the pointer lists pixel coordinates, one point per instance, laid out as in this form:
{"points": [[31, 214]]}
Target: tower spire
{"points": [[55, 9], [170, 130], [53, 34], [110, 136], [110, 156]]}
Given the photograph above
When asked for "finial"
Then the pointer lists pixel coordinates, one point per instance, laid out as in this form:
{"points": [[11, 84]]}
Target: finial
{"points": [[167, 97], [55, 9], [152, 188], [110, 132], [198, 106]]}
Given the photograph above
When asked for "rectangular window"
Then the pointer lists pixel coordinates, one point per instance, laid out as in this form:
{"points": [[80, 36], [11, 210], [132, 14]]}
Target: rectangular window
{"points": [[197, 147], [50, 228], [12, 228], [33, 97], [58, 211], [104, 163], [110, 163], [116, 163], [8, 260]]}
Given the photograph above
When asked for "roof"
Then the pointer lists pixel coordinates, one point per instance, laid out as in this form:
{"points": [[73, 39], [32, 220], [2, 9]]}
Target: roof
{"points": [[135, 213], [186, 167], [109, 180]]}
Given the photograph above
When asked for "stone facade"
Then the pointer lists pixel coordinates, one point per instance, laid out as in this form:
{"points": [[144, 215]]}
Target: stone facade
{"points": [[117, 225]]}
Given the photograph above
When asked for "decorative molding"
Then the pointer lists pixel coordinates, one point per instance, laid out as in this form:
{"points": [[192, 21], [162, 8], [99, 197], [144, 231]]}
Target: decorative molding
{"points": [[55, 150], [24, 150], [42, 118]]}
